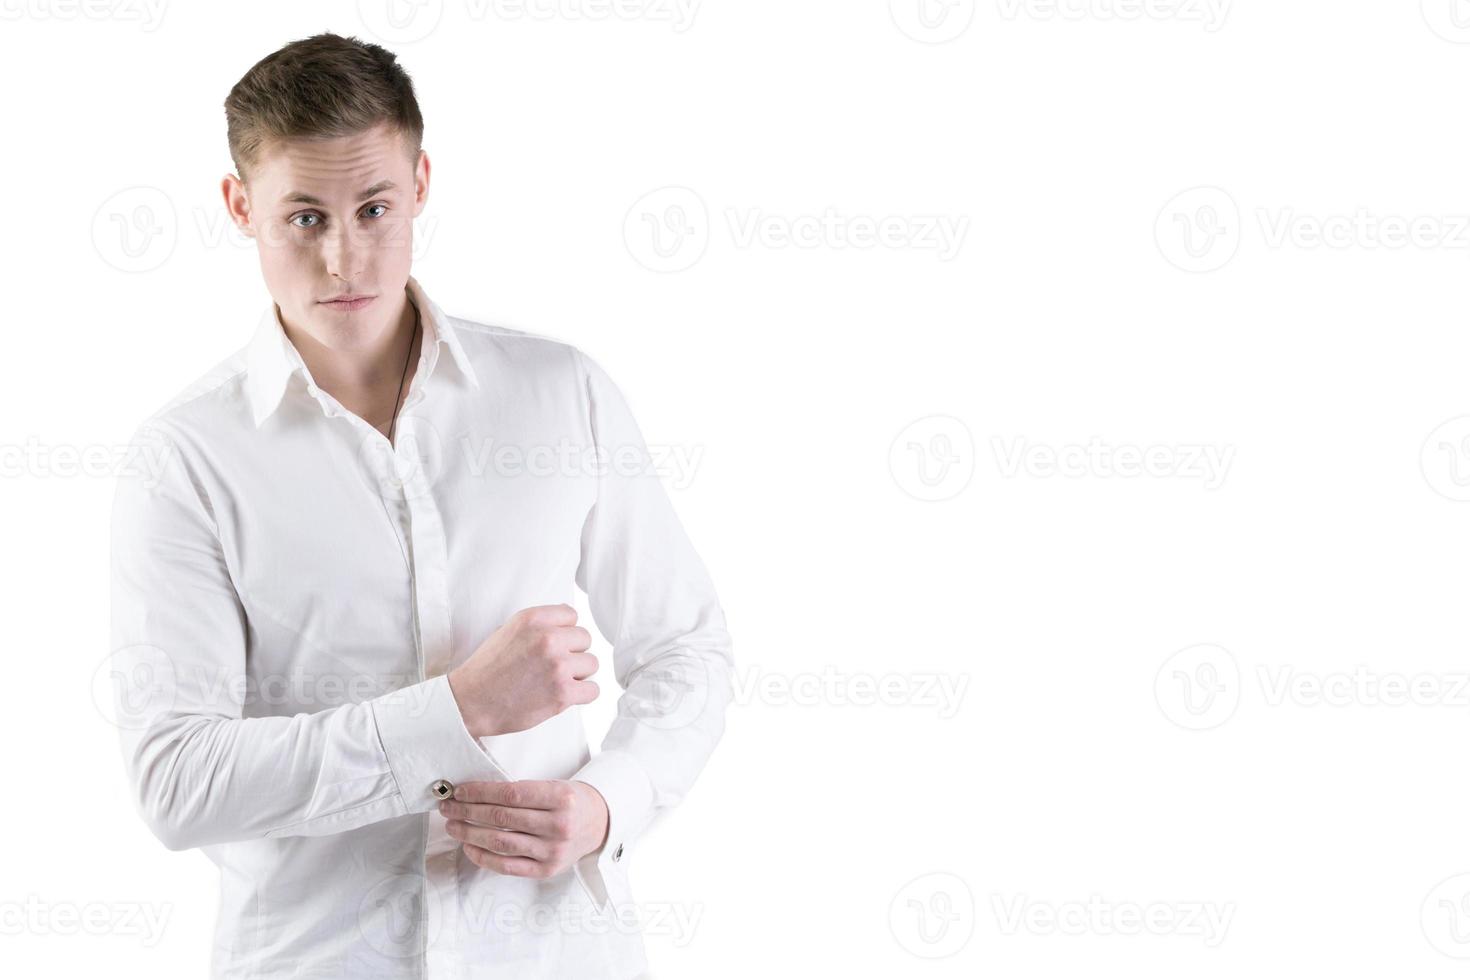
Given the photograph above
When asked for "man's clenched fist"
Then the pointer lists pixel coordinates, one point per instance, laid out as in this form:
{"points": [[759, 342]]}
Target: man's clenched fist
{"points": [[533, 667]]}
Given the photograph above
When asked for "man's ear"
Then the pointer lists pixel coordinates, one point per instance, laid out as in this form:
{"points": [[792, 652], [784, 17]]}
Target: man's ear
{"points": [[237, 203], [420, 183]]}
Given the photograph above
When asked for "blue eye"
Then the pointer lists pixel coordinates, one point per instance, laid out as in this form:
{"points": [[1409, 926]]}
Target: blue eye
{"points": [[316, 219]]}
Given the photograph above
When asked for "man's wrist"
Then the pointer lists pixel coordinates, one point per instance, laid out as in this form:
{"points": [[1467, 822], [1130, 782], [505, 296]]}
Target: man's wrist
{"points": [[606, 815], [472, 721]]}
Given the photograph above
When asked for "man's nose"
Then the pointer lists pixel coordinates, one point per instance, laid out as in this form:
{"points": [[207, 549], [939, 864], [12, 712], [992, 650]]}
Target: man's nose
{"points": [[342, 252]]}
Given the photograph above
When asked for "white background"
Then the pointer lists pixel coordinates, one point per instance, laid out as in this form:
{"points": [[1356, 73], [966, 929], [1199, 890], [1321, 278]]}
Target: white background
{"points": [[1208, 719]]}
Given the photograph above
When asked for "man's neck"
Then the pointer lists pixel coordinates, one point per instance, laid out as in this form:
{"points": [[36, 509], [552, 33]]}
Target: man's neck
{"points": [[372, 368], [367, 382]]}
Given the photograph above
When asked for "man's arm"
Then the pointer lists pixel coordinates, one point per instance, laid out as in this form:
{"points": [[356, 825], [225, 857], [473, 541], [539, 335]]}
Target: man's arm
{"points": [[652, 599], [200, 772]]}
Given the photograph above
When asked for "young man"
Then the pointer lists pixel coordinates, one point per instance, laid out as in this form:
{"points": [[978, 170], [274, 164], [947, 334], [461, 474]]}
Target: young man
{"points": [[348, 669]]}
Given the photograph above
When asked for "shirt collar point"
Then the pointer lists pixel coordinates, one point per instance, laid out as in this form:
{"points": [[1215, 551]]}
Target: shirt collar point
{"points": [[270, 359]]}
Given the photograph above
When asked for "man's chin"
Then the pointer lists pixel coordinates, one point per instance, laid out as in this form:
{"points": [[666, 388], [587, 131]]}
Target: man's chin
{"points": [[339, 333]]}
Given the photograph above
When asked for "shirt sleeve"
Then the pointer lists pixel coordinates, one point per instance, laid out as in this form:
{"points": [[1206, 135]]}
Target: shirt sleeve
{"points": [[652, 598], [201, 773]]}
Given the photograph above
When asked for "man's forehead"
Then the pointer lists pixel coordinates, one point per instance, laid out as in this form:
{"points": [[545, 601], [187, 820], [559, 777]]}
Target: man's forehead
{"points": [[312, 171], [297, 193]]}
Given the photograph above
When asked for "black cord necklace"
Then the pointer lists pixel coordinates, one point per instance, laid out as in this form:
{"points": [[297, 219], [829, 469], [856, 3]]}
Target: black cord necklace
{"points": [[394, 421]]}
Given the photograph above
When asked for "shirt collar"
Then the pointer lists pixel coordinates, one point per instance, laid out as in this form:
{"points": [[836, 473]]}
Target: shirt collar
{"points": [[271, 358]]}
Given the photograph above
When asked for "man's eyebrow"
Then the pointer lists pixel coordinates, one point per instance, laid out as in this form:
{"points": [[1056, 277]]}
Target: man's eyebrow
{"points": [[298, 197]]}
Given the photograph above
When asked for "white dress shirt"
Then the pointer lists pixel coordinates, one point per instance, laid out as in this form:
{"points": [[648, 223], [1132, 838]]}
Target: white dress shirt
{"points": [[289, 590]]}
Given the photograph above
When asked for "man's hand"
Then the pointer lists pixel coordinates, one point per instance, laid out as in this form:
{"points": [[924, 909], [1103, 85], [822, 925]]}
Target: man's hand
{"points": [[532, 828], [533, 667]]}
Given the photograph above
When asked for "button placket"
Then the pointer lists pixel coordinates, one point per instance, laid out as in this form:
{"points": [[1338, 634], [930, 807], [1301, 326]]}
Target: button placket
{"points": [[430, 557], [429, 584]]}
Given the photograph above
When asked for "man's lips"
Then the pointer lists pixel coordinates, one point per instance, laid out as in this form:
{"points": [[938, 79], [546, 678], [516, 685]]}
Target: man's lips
{"points": [[348, 303]]}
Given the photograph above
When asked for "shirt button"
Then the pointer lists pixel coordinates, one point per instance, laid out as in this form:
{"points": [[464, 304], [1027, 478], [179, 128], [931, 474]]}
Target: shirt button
{"points": [[442, 788], [618, 853]]}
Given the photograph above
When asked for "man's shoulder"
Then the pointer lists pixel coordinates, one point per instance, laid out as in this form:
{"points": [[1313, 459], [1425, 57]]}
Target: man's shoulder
{"points": [[216, 395], [517, 350]]}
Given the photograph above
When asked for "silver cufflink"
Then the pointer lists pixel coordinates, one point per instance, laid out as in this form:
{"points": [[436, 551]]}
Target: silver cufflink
{"points": [[442, 788]]}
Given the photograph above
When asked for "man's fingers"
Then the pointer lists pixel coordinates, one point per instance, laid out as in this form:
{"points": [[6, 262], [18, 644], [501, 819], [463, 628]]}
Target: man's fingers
{"points": [[535, 794], [519, 866], [541, 823], [506, 842], [560, 614], [583, 665], [577, 638]]}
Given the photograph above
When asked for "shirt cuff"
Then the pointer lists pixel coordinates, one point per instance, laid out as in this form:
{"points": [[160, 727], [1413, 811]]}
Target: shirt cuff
{"points": [[426, 742], [629, 797]]}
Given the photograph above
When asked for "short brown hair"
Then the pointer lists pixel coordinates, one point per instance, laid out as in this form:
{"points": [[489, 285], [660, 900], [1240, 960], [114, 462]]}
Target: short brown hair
{"points": [[320, 87]]}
